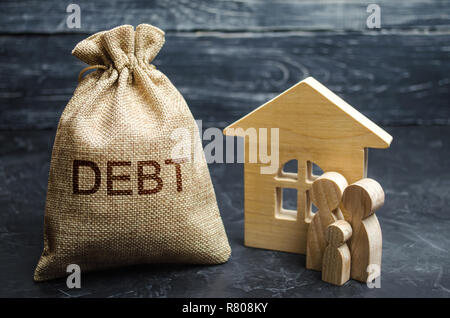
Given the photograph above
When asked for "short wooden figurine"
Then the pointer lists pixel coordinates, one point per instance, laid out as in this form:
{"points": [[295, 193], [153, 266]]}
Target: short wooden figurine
{"points": [[359, 203], [326, 194], [336, 258]]}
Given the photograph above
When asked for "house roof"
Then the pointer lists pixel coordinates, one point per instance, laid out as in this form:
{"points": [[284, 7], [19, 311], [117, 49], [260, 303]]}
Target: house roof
{"points": [[311, 110]]}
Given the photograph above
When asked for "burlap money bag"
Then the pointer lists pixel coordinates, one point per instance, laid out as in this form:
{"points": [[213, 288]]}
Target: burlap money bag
{"points": [[116, 196]]}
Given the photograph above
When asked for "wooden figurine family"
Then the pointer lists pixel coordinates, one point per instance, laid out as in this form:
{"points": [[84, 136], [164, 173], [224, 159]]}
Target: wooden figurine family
{"points": [[344, 238]]}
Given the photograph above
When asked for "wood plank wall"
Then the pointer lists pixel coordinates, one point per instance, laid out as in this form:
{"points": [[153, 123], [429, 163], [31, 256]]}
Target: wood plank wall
{"points": [[228, 57]]}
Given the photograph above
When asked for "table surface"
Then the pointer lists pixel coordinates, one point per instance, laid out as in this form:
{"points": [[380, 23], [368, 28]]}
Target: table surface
{"points": [[414, 220]]}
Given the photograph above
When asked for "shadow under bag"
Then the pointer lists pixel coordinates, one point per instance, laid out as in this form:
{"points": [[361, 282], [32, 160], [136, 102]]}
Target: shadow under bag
{"points": [[117, 195]]}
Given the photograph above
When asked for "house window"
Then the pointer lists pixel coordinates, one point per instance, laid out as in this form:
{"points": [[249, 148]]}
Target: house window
{"points": [[291, 166], [292, 192], [289, 170], [286, 193], [313, 172], [286, 203]]}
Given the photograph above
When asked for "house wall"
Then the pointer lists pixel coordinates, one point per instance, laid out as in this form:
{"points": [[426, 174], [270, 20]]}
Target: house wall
{"points": [[262, 228]]}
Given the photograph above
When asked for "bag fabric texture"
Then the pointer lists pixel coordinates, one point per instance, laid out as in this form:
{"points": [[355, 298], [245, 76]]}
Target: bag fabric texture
{"points": [[116, 196]]}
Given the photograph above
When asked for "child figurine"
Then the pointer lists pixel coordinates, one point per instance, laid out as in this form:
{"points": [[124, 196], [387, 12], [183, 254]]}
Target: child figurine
{"points": [[336, 259]]}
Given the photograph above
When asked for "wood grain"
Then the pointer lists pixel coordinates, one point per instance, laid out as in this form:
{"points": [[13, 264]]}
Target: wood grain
{"points": [[392, 79], [359, 203], [337, 258], [47, 16]]}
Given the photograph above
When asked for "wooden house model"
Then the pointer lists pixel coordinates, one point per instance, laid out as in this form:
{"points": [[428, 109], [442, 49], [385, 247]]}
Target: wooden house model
{"points": [[315, 127]]}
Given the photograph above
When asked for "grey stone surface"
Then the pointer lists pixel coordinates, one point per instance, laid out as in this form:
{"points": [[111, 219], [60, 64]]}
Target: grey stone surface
{"points": [[415, 222]]}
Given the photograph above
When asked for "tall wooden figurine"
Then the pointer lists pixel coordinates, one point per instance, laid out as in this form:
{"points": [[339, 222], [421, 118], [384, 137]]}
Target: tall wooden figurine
{"points": [[326, 194], [336, 258], [359, 203]]}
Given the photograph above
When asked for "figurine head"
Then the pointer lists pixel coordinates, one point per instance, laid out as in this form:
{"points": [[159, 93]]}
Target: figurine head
{"points": [[362, 198], [327, 190]]}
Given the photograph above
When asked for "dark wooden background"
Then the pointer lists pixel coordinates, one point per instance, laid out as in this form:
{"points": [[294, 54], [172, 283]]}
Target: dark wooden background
{"points": [[226, 58]]}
